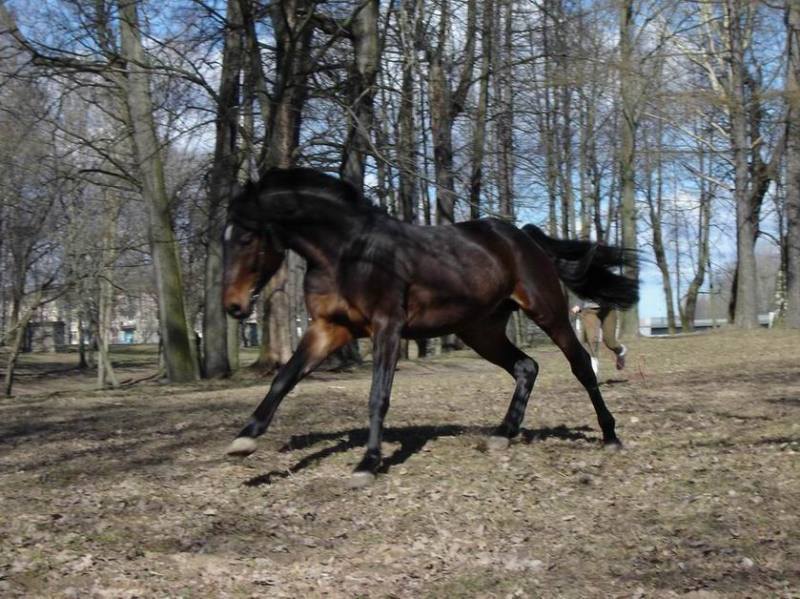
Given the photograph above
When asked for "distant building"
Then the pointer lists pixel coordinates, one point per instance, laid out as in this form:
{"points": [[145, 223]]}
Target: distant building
{"points": [[55, 326], [656, 326]]}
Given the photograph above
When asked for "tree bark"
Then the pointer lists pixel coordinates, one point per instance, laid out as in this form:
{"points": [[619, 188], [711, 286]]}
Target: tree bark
{"points": [[363, 72], [406, 143], [179, 350], [629, 321], [291, 21], [792, 202], [703, 249], [505, 119], [564, 135], [445, 105], [655, 204], [221, 181], [83, 363], [16, 347], [105, 297], [479, 131], [548, 126], [745, 315]]}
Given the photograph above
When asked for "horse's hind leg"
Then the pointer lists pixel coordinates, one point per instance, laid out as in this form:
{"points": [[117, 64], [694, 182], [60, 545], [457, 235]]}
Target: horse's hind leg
{"points": [[539, 294], [489, 340], [558, 327]]}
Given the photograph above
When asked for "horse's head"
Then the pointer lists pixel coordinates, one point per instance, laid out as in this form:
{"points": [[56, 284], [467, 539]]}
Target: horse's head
{"points": [[251, 257]]}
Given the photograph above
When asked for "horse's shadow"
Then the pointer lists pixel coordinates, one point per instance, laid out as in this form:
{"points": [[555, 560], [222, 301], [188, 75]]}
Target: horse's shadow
{"points": [[411, 439]]}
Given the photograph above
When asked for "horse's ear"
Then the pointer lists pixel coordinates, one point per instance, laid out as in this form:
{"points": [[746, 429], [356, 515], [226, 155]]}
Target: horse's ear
{"points": [[244, 206]]}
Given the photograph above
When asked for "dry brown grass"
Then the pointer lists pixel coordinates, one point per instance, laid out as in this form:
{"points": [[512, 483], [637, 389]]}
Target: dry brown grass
{"points": [[127, 494]]}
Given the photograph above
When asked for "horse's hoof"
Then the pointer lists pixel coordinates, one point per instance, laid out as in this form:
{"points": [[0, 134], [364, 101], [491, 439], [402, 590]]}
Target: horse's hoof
{"points": [[495, 443], [242, 447], [613, 446], [361, 478]]}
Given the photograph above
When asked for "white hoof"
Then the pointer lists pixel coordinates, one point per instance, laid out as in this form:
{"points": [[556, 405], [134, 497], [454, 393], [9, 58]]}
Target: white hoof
{"points": [[360, 479], [242, 446], [498, 443]]}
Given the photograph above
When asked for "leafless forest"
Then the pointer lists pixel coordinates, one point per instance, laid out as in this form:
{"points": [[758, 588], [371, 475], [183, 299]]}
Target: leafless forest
{"points": [[670, 127]]}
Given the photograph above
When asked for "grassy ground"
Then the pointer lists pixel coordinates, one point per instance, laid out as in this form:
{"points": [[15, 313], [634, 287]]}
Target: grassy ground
{"points": [[127, 493]]}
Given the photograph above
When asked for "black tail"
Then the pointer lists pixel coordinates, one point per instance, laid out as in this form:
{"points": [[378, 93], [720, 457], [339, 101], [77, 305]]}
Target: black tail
{"points": [[585, 267]]}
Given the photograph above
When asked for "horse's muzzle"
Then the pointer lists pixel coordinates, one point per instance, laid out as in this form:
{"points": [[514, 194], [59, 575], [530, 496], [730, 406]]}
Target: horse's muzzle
{"points": [[238, 311]]}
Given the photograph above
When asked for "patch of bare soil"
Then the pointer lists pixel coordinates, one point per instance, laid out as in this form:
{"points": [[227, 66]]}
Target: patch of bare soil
{"points": [[127, 493]]}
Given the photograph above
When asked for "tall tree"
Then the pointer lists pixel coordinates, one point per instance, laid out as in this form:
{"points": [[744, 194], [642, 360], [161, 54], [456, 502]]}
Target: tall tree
{"points": [[746, 315], [446, 103], [179, 350], [479, 129], [654, 195], [293, 26], [408, 173], [504, 121], [361, 83], [629, 322], [105, 293], [792, 201], [221, 181], [703, 252]]}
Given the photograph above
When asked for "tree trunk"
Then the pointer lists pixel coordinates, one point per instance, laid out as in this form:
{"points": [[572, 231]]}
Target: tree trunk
{"points": [[83, 364], [20, 328], [441, 131], [586, 128], [745, 314], [362, 77], [406, 139], [2, 274], [276, 338], [221, 181], [445, 105], [291, 21], [792, 202], [16, 347], [548, 125], [105, 298], [363, 72], [427, 217], [179, 350], [629, 321], [655, 206], [479, 131], [703, 250], [505, 119], [564, 89]]}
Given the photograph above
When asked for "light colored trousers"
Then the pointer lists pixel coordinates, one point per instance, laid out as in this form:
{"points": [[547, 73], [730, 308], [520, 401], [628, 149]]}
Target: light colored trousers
{"points": [[597, 320]]}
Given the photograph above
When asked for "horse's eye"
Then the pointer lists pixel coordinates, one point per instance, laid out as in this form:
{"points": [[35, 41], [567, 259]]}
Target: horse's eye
{"points": [[246, 238]]}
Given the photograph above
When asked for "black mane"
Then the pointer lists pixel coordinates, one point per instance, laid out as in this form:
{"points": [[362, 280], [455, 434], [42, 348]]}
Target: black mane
{"points": [[315, 181]]}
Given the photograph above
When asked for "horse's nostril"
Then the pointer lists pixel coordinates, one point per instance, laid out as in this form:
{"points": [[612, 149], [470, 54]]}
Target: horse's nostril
{"points": [[234, 309]]}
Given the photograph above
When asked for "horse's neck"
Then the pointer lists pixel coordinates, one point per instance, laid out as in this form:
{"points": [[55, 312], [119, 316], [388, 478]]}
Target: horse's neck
{"points": [[319, 235], [316, 221]]}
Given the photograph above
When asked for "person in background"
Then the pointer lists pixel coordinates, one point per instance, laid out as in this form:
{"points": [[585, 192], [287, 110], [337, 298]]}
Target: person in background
{"points": [[594, 320]]}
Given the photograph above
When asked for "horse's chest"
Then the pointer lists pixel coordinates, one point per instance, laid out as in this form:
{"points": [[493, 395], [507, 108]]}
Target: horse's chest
{"points": [[333, 307]]}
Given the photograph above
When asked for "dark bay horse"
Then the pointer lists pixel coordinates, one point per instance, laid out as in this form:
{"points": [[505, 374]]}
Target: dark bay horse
{"points": [[369, 274]]}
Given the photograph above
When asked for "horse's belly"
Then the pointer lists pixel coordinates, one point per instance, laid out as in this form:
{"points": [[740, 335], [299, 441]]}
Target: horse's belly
{"points": [[431, 315]]}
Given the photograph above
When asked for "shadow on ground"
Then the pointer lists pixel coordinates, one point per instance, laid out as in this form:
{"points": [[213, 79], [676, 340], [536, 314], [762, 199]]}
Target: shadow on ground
{"points": [[411, 439]]}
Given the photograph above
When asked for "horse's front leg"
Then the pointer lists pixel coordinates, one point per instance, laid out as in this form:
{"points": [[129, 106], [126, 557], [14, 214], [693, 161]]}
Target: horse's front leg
{"points": [[386, 350], [320, 340]]}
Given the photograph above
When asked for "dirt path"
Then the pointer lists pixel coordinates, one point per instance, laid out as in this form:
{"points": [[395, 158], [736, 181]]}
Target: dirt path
{"points": [[127, 494]]}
